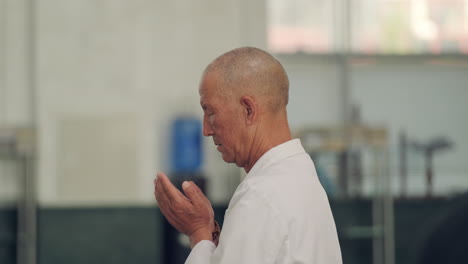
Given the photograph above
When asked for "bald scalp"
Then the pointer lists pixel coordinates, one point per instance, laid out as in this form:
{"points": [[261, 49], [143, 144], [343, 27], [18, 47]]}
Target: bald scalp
{"points": [[254, 72]]}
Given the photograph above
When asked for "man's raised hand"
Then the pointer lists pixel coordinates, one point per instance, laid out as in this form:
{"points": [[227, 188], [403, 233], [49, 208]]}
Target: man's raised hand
{"points": [[190, 214]]}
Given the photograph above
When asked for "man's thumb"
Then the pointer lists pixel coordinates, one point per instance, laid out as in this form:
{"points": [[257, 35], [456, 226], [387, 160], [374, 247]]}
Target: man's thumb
{"points": [[192, 191]]}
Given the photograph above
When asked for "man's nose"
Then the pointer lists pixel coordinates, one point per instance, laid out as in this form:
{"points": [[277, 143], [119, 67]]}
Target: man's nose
{"points": [[207, 130]]}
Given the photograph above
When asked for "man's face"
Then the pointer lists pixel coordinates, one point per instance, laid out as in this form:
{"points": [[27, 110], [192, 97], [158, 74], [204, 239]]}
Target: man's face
{"points": [[222, 120]]}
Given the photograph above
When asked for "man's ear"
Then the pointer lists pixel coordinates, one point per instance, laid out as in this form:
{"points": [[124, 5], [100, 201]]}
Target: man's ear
{"points": [[250, 109]]}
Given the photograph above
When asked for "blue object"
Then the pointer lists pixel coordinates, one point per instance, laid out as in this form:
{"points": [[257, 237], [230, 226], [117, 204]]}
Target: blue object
{"points": [[186, 145]]}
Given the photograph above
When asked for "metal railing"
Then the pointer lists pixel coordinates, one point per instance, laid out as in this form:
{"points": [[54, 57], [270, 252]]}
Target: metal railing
{"points": [[18, 144]]}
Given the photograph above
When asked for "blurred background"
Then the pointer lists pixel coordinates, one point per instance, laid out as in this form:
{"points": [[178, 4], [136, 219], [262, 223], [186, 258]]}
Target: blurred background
{"points": [[97, 96]]}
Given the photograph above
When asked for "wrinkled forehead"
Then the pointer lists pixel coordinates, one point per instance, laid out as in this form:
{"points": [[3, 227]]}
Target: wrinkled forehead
{"points": [[208, 84], [212, 85]]}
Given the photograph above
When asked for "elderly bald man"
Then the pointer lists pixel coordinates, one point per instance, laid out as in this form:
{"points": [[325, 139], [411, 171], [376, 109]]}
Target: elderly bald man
{"points": [[280, 212]]}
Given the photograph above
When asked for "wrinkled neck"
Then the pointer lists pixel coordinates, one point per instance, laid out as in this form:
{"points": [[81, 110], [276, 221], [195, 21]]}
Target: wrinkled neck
{"points": [[266, 136]]}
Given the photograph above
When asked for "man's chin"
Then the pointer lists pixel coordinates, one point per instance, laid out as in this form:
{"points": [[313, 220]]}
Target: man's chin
{"points": [[231, 160], [227, 159]]}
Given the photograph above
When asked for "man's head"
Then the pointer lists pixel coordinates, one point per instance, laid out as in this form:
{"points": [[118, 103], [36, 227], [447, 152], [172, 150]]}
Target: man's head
{"points": [[243, 93]]}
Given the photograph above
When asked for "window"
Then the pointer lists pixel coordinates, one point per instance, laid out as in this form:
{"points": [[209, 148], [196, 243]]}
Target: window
{"points": [[375, 26], [300, 25]]}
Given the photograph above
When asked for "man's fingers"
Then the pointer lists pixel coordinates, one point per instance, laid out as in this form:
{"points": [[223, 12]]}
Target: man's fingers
{"points": [[193, 192], [165, 187], [187, 213]]}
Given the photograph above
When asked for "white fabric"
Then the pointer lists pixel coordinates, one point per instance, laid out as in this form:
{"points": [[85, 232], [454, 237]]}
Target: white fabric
{"points": [[278, 214]]}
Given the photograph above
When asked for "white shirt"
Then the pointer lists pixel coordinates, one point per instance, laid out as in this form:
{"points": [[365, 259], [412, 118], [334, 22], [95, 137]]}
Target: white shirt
{"points": [[278, 214]]}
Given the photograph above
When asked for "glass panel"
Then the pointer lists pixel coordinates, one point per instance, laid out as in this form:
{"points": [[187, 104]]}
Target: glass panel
{"points": [[426, 105], [300, 25], [424, 109], [377, 26], [410, 26]]}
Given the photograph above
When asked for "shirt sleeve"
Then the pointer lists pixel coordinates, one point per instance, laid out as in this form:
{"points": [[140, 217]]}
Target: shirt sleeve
{"points": [[201, 253]]}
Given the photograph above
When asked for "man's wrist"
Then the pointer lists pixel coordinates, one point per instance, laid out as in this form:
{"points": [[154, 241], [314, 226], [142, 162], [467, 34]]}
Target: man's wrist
{"points": [[199, 235], [215, 233]]}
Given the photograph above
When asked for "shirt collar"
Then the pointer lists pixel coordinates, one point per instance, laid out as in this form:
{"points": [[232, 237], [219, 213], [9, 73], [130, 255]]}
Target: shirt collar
{"points": [[277, 153]]}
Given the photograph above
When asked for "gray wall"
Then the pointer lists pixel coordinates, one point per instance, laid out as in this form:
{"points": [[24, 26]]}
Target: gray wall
{"points": [[123, 69]]}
